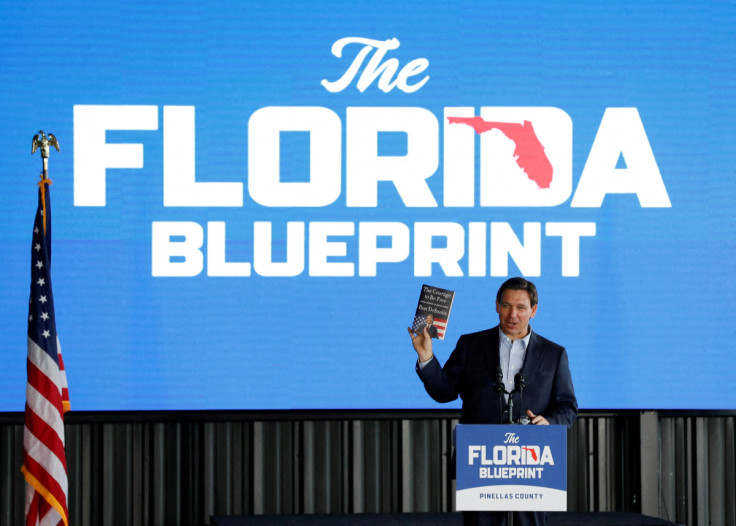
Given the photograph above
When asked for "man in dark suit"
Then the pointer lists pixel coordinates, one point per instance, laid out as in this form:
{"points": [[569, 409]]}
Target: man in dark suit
{"points": [[429, 325], [483, 360]]}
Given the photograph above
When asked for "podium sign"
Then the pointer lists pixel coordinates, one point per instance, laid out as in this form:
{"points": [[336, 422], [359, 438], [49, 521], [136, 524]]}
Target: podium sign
{"points": [[511, 468]]}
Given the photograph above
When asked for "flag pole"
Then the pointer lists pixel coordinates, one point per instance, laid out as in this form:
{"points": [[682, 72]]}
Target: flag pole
{"points": [[47, 393]]}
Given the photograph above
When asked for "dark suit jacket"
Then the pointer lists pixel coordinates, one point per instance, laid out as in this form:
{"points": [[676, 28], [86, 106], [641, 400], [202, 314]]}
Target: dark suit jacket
{"points": [[470, 373]]}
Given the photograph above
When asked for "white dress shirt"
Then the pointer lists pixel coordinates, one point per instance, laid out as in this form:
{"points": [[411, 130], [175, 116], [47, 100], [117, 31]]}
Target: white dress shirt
{"points": [[511, 356]]}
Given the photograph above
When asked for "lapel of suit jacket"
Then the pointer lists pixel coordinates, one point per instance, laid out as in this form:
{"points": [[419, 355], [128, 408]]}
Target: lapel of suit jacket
{"points": [[533, 357], [490, 351]]}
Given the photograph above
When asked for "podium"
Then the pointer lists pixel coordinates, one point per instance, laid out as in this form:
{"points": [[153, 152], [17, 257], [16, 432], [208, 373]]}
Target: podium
{"points": [[511, 468]]}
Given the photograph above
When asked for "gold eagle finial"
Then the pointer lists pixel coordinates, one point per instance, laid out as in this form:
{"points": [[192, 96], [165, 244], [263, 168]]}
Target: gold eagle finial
{"points": [[40, 140]]}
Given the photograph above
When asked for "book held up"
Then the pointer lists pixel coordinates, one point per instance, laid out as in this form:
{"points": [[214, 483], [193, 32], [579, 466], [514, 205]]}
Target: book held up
{"points": [[433, 311]]}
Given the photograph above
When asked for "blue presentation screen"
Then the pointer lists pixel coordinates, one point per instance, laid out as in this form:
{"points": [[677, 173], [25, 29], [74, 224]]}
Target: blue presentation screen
{"points": [[250, 196]]}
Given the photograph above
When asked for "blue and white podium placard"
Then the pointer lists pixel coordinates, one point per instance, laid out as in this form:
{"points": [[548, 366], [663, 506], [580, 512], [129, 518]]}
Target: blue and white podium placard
{"points": [[511, 468]]}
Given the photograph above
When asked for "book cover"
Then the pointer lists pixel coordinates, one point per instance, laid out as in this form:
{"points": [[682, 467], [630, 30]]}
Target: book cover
{"points": [[433, 311]]}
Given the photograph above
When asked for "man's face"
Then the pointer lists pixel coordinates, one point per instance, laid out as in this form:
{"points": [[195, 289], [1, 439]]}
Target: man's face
{"points": [[514, 312], [429, 320]]}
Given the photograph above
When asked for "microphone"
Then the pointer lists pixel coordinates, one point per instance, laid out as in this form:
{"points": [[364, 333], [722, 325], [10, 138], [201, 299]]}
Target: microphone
{"points": [[499, 380], [519, 384], [499, 386]]}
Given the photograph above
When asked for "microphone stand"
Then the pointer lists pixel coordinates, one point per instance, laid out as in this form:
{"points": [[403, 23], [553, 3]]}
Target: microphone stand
{"points": [[511, 407], [519, 387]]}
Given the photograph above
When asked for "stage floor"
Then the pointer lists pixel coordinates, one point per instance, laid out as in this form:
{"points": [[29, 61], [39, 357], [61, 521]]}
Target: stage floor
{"points": [[430, 519]]}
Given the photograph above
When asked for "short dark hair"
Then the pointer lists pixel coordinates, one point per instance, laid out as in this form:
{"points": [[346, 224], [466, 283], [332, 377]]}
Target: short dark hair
{"points": [[518, 284]]}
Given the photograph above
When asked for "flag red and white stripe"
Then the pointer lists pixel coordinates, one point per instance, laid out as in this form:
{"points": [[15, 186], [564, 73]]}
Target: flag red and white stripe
{"points": [[47, 395], [441, 327]]}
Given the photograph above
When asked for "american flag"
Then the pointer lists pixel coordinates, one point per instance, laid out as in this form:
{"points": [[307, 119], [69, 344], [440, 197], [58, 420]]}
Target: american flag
{"points": [[47, 396]]}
